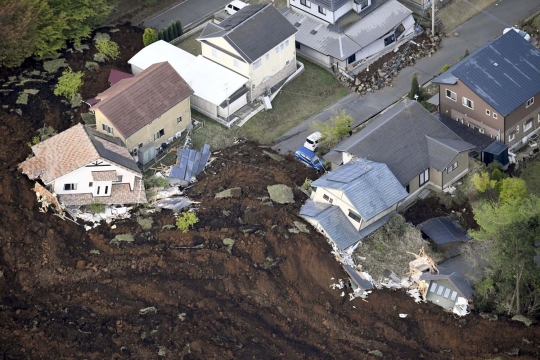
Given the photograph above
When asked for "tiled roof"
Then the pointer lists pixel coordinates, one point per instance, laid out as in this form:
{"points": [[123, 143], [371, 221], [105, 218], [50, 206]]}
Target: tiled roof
{"points": [[133, 103], [70, 150], [461, 284], [504, 72], [443, 151], [474, 137], [399, 138], [444, 230], [120, 194], [104, 175], [370, 187], [252, 31]]}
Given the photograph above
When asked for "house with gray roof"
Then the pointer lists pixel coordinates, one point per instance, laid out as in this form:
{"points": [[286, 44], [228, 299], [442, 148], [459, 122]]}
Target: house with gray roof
{"points": [[418, 149], [493, 90], [256, 42], [342, 33], [444, 290], [349, 203]]}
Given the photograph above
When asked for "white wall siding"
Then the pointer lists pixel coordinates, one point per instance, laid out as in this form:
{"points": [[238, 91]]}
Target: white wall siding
{"points": [[233, 106], [314, 55], [314, 11], [204, 106], [135, 70], [343, 10]]}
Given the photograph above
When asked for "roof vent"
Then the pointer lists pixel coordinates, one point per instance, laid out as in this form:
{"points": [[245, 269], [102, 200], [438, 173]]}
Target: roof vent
{"points": [[495, 64], [297, 24], [313, 32]]}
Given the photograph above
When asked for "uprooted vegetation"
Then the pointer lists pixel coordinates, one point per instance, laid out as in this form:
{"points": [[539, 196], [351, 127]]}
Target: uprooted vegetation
{"points": [[390, 248]]}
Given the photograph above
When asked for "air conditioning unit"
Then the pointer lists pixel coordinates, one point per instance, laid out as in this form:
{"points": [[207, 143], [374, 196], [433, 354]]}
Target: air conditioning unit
{"points": [[135, 151]]}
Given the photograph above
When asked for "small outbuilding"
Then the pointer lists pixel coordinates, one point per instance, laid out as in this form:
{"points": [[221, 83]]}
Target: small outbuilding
{"points": [[445, 233], [445, 290]]}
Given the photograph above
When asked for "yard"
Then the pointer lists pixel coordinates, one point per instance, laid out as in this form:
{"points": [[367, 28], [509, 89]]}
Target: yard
{"points": [[191, 45]]}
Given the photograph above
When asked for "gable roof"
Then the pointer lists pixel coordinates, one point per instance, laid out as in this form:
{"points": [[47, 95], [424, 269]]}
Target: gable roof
{"points": [[252, 31], [465, 133], [370, 187], [460, 283], [72, 149], [133, 103], [504, 72], [444, 230], [408, 139], [210, 81]]}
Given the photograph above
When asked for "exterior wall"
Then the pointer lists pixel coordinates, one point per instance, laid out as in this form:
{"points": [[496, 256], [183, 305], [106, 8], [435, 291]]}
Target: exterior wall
{"points": [[135, 70], [203, 106], [343, 10], [274, 79], [233, 107], [435, 177], [223, 44], [83, 176], [314, 56], [313, 11], [463, 167], [519, 117], [339, 199], [224, 59], [440, 299]]}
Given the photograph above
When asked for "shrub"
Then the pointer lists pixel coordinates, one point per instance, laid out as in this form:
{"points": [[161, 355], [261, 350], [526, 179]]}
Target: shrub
{"points": [[160, 35], [178, 26], [186, 221], [156, 181], [415, 87], [174, 31], [166, 35], [170, 31], [96, 208], [149, 36], [108, 48], [307, 186], [69, 83], [445, 68], [494, 165]]}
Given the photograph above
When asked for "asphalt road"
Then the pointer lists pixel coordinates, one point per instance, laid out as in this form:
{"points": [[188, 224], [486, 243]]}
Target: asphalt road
{"points": [[472, 35], [187, 12]]}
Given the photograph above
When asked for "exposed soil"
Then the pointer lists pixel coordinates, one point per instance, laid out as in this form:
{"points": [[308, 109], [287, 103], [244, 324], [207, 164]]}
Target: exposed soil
{"points": [[268, 298], [430, 207]]}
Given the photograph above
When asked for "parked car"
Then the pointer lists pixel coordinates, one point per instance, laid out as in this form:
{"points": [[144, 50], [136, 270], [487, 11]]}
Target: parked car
{"points": [[312, 141], [309, 158], [234, 6]]}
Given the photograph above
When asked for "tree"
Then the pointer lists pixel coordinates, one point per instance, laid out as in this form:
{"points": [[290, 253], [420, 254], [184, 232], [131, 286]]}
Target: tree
{"points": [[108, 48], [178, 26], [166, 35], [415, 88], [333, 133], [170, 32], [160, 35], [512, 189], [69, 83], [149, 36], [482, 182], [174, 31]]}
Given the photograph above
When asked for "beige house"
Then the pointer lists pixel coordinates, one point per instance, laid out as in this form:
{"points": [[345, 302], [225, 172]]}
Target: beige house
{"points": [[256, 42], [418, 148], [147, 110]]}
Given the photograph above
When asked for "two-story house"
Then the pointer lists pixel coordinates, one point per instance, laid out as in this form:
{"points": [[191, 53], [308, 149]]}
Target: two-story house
{"points": [[148, 109], [256, 42], [349, 203], [83, 166], [341, 33], [494, 89], [418, 148]]}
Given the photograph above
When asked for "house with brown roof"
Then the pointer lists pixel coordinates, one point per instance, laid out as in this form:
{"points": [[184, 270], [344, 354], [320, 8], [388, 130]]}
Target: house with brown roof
{"points": [[148, 109], [83, 166]]}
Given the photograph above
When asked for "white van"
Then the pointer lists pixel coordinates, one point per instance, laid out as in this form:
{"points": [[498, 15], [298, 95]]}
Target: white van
{"points": [[235, 6], [312, 141]]}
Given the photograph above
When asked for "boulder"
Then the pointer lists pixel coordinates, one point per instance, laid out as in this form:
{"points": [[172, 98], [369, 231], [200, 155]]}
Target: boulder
{"points": [[232, 192], [281, 194]]}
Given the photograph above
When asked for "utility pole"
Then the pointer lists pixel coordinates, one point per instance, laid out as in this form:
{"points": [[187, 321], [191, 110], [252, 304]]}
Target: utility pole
{"points": [[433, 17]]}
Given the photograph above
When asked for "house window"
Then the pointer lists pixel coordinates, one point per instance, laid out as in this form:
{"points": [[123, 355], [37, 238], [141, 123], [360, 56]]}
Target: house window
{"points": [[355, 216], [97, 191], [517, 129], [530, 101], [488, 112], [159, 134], [286, 42], [306, 3], [351, 59], [69, 187], [446, 293], [267, 56], [433, 287], [238, 63], [257, 64], [400, 30], [282, 46], [454, 295], [108, 129], [328, 198], [106, 190], [277, 49], [511, 137], [440, 291], [424, 177], [90, 184], [297, 45], [179, 120], [119, 178], [468, 103], [451, 95], [494, 115], [215, 53], [140, 145], [322, 10], [389, 40], [452, 168], [363, 3], [528, 125]]}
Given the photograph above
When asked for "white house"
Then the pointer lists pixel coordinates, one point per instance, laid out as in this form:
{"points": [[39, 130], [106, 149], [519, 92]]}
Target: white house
{"points": [[340, 33], [83, 166], [218, 91], [349, 203]]}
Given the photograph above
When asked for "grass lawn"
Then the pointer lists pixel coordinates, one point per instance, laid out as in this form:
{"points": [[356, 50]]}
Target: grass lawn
{"points": [[191, 45], [311, 92], [458, 12], [531, 175]]}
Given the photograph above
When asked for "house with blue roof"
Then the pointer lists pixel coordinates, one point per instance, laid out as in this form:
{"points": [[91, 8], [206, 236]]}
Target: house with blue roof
{"points": [[495, 90], [351, 202]]}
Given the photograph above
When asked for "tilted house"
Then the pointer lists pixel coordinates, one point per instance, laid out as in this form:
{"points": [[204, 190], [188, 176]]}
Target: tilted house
{"points": [[445, 290], [418, 149], [83, 166], [146, 110], [493, 90], [218, 91], [256, 42], [349, 203], [340, 33]]}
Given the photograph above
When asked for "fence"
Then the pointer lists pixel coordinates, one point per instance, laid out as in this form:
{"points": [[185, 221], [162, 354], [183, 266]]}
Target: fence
{"points": [[190, 32]]}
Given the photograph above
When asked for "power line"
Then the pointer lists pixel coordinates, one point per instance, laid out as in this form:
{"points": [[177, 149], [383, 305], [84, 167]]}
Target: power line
{"points": [[489, 14]]}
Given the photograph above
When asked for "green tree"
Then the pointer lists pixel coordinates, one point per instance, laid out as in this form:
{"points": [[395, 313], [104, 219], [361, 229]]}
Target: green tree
{"points": [[338, 129], [174, 31], [170, 32], [178, 26], [415, 88], [445, 68], [108, 48], [512, 189], [69, 83], [166, 35], [160, 35], [186, 221], [149, 36], [482, 182]]}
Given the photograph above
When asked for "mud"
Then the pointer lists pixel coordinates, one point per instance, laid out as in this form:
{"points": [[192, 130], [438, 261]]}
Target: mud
{"points": [[69, 294]]}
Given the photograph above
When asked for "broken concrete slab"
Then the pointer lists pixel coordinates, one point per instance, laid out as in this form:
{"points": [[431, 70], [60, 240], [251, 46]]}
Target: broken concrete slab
{"points": [[52, 66], [274, 156], [282, 194], [301, 226], [232, 192]]}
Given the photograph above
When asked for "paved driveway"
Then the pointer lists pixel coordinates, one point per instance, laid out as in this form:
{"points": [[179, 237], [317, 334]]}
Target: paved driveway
{"points": [[188, 12], [472, 35]]}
